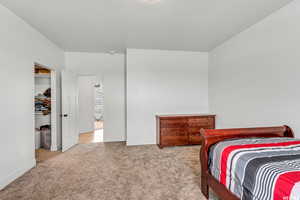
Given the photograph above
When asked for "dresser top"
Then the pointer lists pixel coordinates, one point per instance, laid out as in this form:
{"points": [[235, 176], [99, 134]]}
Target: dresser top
{"points": [[185, 115]]}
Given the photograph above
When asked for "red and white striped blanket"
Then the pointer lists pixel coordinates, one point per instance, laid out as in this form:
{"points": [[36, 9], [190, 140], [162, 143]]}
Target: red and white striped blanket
{"points": [[258, 168]]}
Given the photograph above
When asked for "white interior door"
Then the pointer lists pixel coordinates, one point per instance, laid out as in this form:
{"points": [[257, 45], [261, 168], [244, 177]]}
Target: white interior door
{"points": [[69, 110]]}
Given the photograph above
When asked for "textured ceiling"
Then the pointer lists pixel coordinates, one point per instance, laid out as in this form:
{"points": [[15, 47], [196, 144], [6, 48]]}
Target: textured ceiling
{"points": [[105, 25]]}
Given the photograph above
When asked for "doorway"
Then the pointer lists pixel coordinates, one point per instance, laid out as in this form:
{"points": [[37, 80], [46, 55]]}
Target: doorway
{"points": [[91, 115], [45, 113]]}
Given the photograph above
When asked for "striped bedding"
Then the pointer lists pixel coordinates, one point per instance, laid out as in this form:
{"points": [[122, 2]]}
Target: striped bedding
{"points": [[258, 168]]}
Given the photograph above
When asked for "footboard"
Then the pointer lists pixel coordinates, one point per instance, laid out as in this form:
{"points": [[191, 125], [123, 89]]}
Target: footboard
{"points": [[213, 136]]}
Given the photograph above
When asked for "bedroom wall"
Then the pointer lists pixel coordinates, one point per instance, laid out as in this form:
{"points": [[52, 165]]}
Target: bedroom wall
{"points": [[254, 77], [163, 82], [86, 102], [111, 70], [21, 46]]}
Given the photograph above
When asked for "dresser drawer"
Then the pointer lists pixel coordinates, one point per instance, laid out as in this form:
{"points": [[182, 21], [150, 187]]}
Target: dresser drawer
{"points": [[177, 140], [196, 129], [201, 121], [173, 132], [174, 136], [173, 123]]}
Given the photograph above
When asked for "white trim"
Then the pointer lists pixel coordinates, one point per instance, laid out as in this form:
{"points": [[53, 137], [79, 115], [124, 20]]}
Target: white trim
{"points": [[16, 174], [53, 112], [138, 143]]}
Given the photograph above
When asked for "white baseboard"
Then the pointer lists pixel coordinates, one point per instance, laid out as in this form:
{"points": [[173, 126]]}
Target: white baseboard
{"points": [[53, 148], [113, 140], [16, 174], [140, 143], [83, 131]]}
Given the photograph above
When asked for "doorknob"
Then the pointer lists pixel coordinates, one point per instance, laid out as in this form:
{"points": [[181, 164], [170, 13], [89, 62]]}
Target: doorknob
{"points": [[65, 115]]}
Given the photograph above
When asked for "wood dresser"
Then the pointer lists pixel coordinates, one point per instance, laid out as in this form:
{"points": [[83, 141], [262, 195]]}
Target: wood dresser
{"points": [[179, 130]]}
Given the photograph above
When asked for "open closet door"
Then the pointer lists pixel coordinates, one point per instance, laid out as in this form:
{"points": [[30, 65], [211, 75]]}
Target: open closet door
{"points": [[69, 110]]}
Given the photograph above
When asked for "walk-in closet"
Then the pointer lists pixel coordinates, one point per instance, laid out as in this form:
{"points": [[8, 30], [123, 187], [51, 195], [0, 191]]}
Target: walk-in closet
{"points": [[42, 106]]}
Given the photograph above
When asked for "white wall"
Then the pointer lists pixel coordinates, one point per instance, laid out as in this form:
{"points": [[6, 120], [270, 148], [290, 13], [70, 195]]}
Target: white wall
{"points": [[111, 70], [86, 96], [20, 47], [163, 82], [254, 77]]}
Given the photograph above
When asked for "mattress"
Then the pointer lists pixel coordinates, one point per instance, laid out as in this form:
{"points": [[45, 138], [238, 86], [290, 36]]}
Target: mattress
{"points": [[258, 168]]}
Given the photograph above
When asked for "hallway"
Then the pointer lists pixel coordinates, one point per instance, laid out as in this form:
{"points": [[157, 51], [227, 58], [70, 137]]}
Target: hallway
{"points": [[93, 137]]}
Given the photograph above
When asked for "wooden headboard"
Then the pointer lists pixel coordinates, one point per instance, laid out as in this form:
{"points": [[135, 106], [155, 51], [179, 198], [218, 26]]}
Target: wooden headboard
{"points": [[213, 136]]}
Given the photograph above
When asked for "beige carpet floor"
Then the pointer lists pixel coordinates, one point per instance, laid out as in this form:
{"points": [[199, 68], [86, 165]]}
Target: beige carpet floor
{"points": [[112, 171]]}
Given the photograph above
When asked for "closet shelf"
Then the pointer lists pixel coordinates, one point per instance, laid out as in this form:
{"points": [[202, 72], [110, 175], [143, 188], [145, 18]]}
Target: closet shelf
{"points": [[41, 113], [42, 76], [42, 98]]}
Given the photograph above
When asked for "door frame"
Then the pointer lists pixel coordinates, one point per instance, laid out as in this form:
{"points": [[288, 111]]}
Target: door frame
{"points": [[54, 105]]}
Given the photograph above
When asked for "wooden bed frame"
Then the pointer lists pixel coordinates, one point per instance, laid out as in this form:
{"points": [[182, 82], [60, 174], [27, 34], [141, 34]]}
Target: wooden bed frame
{"points": [[212, 136]]}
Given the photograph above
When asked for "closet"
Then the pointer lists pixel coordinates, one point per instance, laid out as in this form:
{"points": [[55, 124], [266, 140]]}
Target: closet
{"points": [[42, 106]]}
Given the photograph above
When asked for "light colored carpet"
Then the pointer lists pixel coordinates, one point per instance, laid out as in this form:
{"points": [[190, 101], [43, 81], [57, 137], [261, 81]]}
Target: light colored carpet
{"points": [[112, 171]]}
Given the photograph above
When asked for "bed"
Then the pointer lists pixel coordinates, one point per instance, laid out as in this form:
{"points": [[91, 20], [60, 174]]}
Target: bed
{"points": [[251, 163]]}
